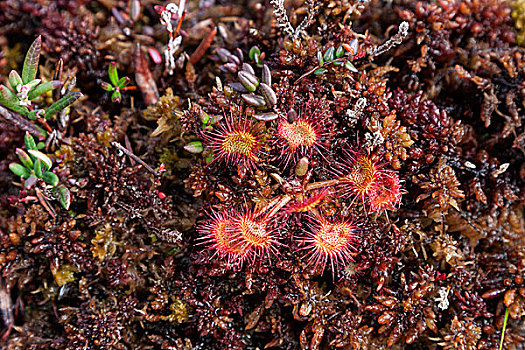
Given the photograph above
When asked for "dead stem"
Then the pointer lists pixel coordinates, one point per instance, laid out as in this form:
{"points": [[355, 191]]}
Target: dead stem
{"points": [[134, 157]]}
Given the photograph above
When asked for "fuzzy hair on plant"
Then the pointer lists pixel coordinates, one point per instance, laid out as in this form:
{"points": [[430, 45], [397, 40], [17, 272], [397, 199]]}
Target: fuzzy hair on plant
{"points": [[219, 233], [234, 140], [387, 193], [306, 203], [239, 235], [329, 241], [301, 134], [362, 176]]}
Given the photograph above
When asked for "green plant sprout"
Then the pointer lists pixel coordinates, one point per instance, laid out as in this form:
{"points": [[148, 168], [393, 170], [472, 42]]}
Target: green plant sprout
{"points": [[339, 56], [35, 166], [504, 328], [117, 85], [22, 90]]}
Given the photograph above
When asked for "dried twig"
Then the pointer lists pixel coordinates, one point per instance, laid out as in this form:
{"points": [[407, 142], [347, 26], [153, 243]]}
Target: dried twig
{"points": [[21, 122], [352, 115], [393, 41], [175, 39], [134, 157], [144, 78], [282, 18], [45, 203], [284, 22], [6, 306]]}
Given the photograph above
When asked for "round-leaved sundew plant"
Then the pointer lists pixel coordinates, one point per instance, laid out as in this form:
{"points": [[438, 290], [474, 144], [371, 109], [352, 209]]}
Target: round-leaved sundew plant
{"points": [[361, 175], [357, 173], [235, 140], [258, 237], [240, 235], [387, 193], [306, 203], [218, 233], [329, 241], [300, 134]]}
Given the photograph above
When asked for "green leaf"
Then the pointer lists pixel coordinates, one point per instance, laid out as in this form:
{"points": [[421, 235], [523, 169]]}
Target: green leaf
{"points": [[194, 147], [340, 52], [123, 82], [43, 134], [32, 84], [319, 71], [329, 54], [254, 51], [337, 63], [205, 118], [50, 178], [31, 61], [9, 95], [44, 88], [6, 99], [38, 168], [350, 67], [107, 86], [40, 145], [39, 155], [30, 141], [14, 79], [113, 74], [320, 58], [257, 58], [64, 197], [116, 96], [24, 158], [19, 170], [62, 103]]}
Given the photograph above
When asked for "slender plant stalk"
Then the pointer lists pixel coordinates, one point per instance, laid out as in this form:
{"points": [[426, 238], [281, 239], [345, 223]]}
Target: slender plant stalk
{"points": [[504, 327]]}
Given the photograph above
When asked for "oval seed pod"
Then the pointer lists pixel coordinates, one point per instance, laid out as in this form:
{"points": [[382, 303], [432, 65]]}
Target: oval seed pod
{"points": [[302, 167], [269, 95], [249, 80], [247, 68], [266, 75], [254, 100], [265, 117]]}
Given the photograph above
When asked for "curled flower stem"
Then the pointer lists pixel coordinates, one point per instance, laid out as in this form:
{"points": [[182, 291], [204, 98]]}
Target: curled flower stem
{"points": [[276, 205], [321, 184]]}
